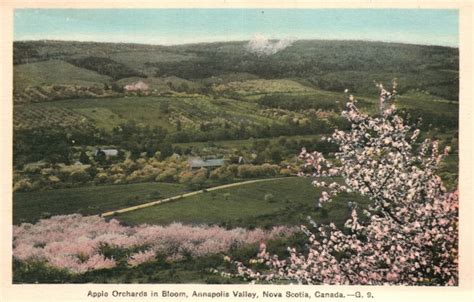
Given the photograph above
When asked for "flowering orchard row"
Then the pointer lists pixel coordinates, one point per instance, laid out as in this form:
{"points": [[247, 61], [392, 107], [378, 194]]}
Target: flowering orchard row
{"points": [[79, 244]]}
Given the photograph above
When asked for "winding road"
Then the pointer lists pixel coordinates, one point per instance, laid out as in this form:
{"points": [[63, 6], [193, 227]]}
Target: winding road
{"points": [[177, 197]]}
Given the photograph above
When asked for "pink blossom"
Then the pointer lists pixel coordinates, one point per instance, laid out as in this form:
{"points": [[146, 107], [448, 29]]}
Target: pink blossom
{"points": [[74, 242]]}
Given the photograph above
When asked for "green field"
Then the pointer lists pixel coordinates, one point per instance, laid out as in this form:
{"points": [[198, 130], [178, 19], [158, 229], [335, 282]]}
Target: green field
{"points": [[29, 207], [55, 72], [255, 87], [192, 110], [291, 200], [245, 206], [107, 113]]}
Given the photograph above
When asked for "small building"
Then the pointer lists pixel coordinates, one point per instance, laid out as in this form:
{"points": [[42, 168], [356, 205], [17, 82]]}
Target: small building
{"points": [[107, 153], [138, 86], [198, 163]]}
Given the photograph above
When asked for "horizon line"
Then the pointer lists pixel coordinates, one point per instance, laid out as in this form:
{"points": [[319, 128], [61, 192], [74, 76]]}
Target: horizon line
{"points": [[233, 40]]}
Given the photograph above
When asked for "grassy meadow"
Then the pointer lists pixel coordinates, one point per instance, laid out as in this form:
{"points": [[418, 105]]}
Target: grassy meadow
{"points": [[29, 207], [286, 201]]}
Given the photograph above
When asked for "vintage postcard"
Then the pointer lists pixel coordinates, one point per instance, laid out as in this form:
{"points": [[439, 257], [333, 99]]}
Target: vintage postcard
{"points": [[236, 152]]}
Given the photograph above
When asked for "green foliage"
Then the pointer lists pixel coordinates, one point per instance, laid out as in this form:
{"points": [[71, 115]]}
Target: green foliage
{"points": [[38, 272], [193, 270], [106, 66], [244, 253], [33, 145], [300, 102], [440, 114], [24, 52], [138, 138]]}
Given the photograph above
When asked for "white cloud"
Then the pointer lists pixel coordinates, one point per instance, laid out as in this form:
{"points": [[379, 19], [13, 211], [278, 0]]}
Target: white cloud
{"points": [[260, 45]]}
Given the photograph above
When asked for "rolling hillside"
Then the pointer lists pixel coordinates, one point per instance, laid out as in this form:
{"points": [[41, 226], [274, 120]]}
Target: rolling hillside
{"points": [[327, 65], [208, 99], [55, 72]]}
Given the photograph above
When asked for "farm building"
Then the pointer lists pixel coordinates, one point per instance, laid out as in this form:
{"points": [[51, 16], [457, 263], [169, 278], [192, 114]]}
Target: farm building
{"points": [[105, 152], [138, 86], [198, 163]]}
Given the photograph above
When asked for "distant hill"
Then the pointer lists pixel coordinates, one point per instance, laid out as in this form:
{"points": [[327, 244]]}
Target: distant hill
{"points": [[320, 64]]}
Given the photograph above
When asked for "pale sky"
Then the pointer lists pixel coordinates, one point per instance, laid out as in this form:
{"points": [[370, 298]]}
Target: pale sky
{"points": [[179, 26]]}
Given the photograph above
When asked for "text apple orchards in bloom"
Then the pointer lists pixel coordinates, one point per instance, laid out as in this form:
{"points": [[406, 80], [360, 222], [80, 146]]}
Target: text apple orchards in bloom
{"points": [[410, 235]]}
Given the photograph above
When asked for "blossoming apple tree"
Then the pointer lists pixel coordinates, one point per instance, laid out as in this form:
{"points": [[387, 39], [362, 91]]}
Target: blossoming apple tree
{"points": [[409, 234]]}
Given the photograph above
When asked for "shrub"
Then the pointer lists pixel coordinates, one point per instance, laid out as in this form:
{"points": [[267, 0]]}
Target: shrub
{"points": [[106, 66], [168, 175], [269, 197], [79, 176], [23, 185]]}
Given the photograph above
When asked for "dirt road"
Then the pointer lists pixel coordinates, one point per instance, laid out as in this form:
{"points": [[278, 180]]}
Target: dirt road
{"points": [[157, 202]]}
